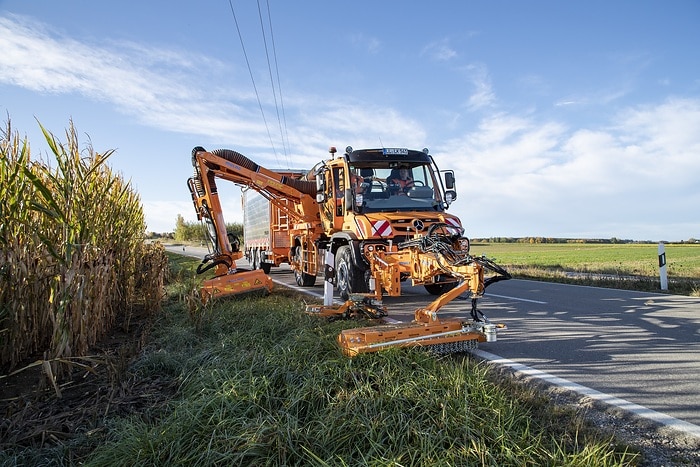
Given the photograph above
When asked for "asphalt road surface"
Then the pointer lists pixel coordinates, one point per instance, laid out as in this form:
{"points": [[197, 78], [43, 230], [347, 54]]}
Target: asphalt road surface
{"points": [[639, 351]]}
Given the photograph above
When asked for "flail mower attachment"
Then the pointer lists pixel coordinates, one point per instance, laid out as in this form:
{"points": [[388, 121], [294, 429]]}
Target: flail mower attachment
{"points": [[441, 336], [427, 329], [233, 282], [240, 282]]}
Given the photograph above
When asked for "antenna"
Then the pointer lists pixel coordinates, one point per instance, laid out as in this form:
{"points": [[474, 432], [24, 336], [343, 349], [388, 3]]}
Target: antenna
{"points": [[381, 145]]}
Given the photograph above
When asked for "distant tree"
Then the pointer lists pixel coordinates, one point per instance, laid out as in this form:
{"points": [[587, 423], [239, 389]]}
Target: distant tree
{"points": [[180, 228], [195, 231], [235, 228]]}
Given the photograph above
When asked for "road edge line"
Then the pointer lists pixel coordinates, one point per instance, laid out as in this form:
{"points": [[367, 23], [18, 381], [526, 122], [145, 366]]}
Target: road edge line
{"points": [[627, 406]]}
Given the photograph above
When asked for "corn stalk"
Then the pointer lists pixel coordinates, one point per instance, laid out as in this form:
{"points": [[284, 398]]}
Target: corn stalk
{"points": [[72, 251]]}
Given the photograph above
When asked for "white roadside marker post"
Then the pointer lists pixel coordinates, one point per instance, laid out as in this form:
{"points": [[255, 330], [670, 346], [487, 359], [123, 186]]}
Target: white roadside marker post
{"points": [[662, 267], [328, 275]]}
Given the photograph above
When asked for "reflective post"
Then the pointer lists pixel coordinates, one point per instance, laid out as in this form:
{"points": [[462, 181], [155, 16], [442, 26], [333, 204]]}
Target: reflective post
{"points": [[662, 267], [328, 275]]}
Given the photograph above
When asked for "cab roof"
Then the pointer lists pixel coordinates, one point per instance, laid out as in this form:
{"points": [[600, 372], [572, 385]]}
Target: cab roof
{"points": [[399, 155]]}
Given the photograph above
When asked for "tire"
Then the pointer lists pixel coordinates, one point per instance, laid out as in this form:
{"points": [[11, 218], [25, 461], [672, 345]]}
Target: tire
{"points": [[256, 259], [258, 262], [439, 289], [303, 279], [235, 242], [349, 279]]}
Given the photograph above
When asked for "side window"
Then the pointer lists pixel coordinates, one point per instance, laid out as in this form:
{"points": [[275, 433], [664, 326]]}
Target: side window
{"points": [[339, 186]]}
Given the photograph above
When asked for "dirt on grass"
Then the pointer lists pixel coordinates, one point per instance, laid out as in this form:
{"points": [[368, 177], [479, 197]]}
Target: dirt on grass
{"points": [[38, 415]]}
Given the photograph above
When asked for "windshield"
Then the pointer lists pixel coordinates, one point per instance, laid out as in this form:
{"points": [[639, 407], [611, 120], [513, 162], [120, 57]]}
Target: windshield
{"points": [[401, 188]]}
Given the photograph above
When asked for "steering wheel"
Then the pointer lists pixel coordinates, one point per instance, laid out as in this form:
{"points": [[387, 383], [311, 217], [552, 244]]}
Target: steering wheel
{"points": [[377, 184]]}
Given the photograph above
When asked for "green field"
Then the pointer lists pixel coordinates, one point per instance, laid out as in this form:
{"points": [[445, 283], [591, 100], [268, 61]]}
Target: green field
{"points": [[683, 260]]}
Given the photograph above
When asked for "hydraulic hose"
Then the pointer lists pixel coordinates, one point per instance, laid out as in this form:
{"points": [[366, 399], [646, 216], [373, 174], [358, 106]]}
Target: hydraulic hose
{"points": [[441, 245], [304, 186], [202, 269]]}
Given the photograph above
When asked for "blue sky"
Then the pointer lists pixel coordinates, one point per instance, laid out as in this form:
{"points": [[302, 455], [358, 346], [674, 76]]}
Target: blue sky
{"points": [[561, 118]]}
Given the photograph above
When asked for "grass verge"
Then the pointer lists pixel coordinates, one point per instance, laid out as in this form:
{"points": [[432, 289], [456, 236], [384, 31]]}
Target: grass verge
{"points": [[676, 286], [619, 266], [261, 383]]}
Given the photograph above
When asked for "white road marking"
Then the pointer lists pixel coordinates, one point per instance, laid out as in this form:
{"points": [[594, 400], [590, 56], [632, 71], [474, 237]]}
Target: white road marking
{"points": [[300, 289], [516, 298], [623, 404]]}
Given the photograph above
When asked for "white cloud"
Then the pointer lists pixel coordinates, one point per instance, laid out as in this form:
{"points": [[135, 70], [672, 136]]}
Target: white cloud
{"points": [[635, 178], [482, 95], [132, 78], [439, 50], [156, 87], [371, 44], [595, 98], [363, 125]]}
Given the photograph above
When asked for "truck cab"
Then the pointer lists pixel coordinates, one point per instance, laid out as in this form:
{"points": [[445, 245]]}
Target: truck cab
{"points": [[368, 206], [364, 182]]}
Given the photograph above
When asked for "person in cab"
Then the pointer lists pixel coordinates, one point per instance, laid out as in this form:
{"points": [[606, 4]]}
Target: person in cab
{"points": [[401, 180]]}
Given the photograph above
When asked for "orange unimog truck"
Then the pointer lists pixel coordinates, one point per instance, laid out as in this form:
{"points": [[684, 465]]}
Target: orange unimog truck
{"points": [[348, 220], [366, 218], [360, 215]]}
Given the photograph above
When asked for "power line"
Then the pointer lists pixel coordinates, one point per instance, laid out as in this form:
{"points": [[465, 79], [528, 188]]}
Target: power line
{"points": [[279, 82], [250, 71], [269, 68]]}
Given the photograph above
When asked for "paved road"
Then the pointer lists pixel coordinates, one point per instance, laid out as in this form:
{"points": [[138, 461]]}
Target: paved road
{"points": [[637, 350]]}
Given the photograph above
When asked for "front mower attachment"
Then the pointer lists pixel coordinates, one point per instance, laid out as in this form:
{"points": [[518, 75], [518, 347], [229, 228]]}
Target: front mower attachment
{"points": [[446, 336], [236, 283]]}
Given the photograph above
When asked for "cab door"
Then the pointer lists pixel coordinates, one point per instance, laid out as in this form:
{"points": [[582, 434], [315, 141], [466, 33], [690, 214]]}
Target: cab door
{"points": [[331, 198], [339, 188]]}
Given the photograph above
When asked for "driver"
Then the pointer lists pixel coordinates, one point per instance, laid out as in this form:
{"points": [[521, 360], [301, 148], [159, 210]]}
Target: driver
{"points": [[402, 179]]}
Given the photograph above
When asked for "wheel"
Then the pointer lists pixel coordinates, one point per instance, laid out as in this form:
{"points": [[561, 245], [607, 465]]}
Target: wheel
{"points": [[256, 259], [440, 288], [303, 279], [259, 262], [234, 241], [349, 278]]}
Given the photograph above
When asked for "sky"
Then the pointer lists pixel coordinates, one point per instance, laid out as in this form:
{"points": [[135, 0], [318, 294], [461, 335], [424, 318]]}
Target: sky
{"points": [[569, 119]]}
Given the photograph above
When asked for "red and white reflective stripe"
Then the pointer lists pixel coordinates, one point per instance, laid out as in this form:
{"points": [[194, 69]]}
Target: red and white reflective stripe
{"points": [[360, 228], [381, 228], [453, 222]]}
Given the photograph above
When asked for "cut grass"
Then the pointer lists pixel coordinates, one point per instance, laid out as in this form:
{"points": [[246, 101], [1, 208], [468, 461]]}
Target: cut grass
{"points": [[261, 383]]}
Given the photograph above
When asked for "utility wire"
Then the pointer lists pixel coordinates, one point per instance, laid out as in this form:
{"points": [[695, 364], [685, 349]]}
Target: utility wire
{"points": [[269, 69], [250, 71], [285, 136]]}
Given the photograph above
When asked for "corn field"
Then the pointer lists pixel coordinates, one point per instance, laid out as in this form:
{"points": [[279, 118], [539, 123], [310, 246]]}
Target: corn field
{"points": [[72, 254]]}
